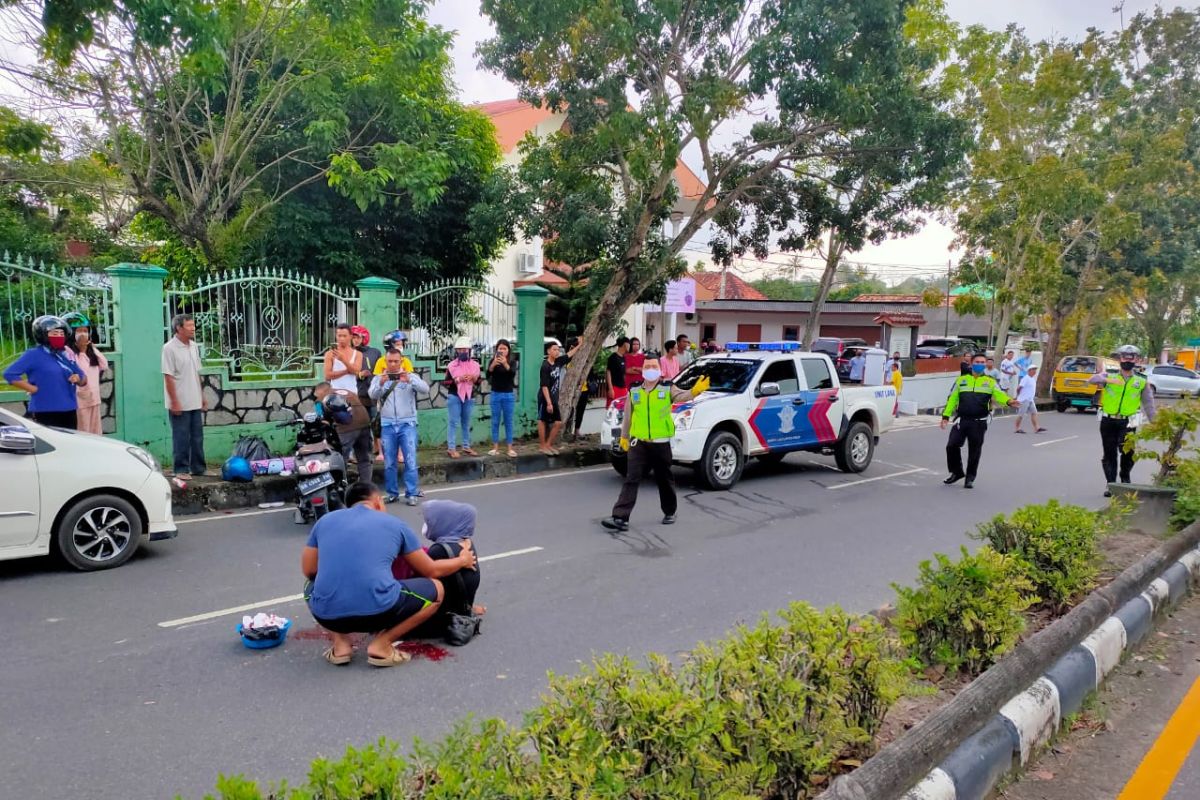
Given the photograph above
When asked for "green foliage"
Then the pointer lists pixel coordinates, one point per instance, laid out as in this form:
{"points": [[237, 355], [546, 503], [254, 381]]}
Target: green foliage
{"points": [[1056, 546], [1165, 438], [760, 713], [1186, 482], [964, 614]]}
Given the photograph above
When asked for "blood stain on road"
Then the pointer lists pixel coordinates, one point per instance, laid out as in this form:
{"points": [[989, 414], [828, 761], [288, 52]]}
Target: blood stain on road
{"points": [[425, 650]]}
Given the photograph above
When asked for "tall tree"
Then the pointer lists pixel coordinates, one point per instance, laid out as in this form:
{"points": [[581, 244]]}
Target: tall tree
{"points": [[760, 91], [218, 112]]}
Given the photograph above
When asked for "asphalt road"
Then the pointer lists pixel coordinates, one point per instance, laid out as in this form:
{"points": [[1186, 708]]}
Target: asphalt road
{"points": [[101, 701]]}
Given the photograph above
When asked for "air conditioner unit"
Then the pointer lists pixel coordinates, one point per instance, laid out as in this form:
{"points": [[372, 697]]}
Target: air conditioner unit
{"points": [[528, 263]]}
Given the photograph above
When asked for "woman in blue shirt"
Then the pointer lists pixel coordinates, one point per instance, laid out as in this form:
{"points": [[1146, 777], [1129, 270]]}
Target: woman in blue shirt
{"points": [[48, 375]]}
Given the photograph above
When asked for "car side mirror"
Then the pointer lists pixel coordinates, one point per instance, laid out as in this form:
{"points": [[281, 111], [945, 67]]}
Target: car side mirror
{"points": [[768, 389], [17, 439]]}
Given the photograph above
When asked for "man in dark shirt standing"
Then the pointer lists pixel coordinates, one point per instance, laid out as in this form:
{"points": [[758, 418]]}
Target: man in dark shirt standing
{"points": [[550, 420], [614, 373]]}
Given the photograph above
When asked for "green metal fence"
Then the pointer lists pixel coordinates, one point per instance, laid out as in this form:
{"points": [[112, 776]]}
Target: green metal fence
{"points": [[29, 289]]}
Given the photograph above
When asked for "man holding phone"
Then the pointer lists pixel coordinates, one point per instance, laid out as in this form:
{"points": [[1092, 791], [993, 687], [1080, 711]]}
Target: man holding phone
{"points": [[395, 395]]}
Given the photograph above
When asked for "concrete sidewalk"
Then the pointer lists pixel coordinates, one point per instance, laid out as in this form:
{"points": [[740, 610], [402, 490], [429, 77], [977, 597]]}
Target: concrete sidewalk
{"points": [[1139, 738]]}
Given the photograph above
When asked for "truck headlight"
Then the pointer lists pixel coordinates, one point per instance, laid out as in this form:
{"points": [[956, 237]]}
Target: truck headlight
{"points": [[684, 419], [144, 457]]}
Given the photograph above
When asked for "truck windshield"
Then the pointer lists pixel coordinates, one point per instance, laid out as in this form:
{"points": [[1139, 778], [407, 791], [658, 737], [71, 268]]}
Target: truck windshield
{"points": [[730, 375]]}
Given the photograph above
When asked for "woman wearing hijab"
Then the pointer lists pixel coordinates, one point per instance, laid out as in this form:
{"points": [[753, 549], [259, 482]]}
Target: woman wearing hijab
{"points": [[447, 525]]}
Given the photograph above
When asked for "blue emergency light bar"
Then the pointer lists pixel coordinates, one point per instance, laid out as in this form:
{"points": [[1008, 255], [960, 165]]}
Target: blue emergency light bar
{"points": [[763, 347]]}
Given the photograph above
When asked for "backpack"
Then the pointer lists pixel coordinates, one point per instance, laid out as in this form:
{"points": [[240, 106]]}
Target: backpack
{"points": [[252, 448]]}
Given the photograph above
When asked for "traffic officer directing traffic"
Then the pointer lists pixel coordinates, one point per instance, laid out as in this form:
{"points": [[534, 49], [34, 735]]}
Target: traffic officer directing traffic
{"points": [[646, 433], [971, 400], [1122, 397]]}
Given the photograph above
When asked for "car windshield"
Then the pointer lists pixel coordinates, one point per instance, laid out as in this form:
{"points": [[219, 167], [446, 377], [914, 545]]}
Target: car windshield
{"points": [[730, 375], [1078, 364]]}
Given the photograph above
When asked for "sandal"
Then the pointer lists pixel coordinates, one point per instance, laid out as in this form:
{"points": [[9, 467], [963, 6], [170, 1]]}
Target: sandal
{"points": [[495, 451], [397, 658], [452, 453], [336, 660], [469, 451], [512, 453]]}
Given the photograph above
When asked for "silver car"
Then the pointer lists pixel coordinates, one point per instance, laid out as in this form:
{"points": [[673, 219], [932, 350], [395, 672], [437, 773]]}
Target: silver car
{"points": [[1168, 380]]}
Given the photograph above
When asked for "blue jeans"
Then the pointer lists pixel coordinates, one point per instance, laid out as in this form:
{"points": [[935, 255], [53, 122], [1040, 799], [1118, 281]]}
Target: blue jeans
{"points": [[400, 437], [460, 416], [187, 440], [504, 404]]}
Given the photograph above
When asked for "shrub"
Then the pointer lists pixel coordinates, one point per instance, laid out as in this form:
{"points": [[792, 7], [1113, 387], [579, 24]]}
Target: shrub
{"points": [[1186, 482], [964, 614], [1057, 546]]}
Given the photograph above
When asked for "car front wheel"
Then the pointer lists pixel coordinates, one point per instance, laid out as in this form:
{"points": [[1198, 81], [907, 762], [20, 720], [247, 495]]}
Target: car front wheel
{"points": [[722, 462], [99, 532]]}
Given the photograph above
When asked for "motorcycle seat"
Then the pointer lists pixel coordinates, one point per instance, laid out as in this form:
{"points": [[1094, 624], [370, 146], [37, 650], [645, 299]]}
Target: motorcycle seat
{"points": [[313, 449]]}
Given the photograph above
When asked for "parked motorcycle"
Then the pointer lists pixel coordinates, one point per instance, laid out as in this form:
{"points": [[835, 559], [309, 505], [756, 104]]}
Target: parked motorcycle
{"points": [[320, 467]]}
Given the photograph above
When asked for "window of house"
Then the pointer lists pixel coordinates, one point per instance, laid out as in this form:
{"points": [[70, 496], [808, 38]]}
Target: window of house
{"points": [[708, 332], [791, 333]]}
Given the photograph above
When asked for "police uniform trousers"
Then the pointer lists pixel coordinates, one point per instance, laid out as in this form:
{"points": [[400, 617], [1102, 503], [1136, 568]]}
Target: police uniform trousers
{"points": [[1112, 436], [646, 457], [970, 431]]}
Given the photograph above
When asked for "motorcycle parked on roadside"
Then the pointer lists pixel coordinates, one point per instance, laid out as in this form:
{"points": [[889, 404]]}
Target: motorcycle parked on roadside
{"points": [[320, 467]]}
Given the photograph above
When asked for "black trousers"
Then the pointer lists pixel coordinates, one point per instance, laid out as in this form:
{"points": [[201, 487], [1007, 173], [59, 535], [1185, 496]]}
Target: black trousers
{"points": [[1112, 437], [56, 419], [970, 431], [646, 457]]}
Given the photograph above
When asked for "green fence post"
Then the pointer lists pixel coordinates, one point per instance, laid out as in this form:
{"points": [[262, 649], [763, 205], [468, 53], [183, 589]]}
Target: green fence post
{"points": [[531, 336], [137, 382], [377, 307]]}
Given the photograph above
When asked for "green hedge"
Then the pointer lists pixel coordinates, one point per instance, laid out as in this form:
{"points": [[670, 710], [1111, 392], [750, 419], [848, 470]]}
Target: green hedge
{"points": [[767, 712]]}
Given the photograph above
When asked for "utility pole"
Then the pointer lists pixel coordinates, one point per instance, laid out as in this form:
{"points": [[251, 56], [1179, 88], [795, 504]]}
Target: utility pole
{"points": [[948, 268]]}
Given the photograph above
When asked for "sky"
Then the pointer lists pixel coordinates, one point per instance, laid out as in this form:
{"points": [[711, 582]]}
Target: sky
{"points": [[925, 253]]}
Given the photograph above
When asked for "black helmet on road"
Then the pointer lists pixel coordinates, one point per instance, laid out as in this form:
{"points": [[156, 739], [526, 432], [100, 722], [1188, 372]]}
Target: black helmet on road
{"points": [[43, 325]]}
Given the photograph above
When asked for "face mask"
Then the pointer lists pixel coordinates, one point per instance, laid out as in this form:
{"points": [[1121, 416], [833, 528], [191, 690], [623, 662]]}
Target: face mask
{"points": [[1128, 366], [57, 340], [652, 375], [978, 368], [464, 356]]}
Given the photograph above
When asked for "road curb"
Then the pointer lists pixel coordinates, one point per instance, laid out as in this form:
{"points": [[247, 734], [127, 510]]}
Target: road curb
{"points": [[1029, 719], [202, 496]]}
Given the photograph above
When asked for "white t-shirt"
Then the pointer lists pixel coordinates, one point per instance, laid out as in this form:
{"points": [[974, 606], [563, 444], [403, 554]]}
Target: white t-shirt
{"points": [[1008, 369], [1027, 389]]}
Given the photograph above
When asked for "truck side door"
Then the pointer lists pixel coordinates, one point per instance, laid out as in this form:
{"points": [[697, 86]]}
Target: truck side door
{"points": [[781, 421], [822, 396]]}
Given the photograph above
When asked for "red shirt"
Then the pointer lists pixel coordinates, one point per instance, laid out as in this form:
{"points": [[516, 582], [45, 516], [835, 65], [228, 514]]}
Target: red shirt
{"points": [[633, 368]]}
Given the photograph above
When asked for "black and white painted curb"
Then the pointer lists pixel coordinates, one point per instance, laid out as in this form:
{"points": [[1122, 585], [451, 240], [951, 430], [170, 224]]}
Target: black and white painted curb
{"points": [[1030, 719]]}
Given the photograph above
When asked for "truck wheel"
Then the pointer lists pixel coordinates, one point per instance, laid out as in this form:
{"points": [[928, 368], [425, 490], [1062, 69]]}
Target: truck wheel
{"points": [[853, 453], [1061, 406], [620, 463], [722, 462]]}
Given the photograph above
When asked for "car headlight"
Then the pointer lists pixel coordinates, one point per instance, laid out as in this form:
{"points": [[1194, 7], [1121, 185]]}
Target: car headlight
{"points": [[684, 418], [144, 457]]}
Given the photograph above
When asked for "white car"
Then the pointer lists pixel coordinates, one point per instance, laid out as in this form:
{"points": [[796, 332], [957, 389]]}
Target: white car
{"points": [[90, 499], [1169, 380], [767, 401]]}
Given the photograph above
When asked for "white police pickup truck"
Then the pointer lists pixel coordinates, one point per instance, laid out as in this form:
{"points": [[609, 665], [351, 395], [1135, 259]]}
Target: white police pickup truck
{"points": [[766, 400]]}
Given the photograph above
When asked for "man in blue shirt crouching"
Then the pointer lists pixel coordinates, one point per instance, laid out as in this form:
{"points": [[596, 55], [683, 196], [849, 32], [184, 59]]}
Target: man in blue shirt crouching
{"points": [[349, 559]]}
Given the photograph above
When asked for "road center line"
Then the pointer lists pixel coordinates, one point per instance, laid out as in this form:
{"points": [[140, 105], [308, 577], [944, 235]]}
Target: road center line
{"points": [[291, 598], [1055, 441], [877, 478]]}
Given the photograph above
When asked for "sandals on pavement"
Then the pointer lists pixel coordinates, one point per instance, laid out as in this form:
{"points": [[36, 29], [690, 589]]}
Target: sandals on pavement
{"points": [[397, 658], [495, 451], [469, 451], [512, 453], [452, 453], [336, 660]]}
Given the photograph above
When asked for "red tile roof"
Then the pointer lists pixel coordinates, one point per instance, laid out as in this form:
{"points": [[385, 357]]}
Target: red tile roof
{"points": [[887, 298], [901, 319], [735, 287]]}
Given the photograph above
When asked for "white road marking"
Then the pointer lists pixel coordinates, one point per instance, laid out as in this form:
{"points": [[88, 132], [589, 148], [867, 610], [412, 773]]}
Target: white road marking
{"points": [[291, 598], [877, 478], [454, 488], [1055, 441]]}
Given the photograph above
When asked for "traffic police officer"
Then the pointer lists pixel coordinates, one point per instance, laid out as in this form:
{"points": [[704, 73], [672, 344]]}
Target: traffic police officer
{"points": [[971, 400], [1123, 395], [646, 433]]}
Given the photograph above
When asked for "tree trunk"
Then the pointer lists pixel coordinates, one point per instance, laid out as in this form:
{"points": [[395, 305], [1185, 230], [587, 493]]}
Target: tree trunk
{"points": [[833, 258], [1058, 321], [1002, 328], [1084, 330]]}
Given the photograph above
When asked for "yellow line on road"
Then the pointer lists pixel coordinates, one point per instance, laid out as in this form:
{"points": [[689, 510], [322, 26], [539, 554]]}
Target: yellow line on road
{"points": [[1158, 769]]}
